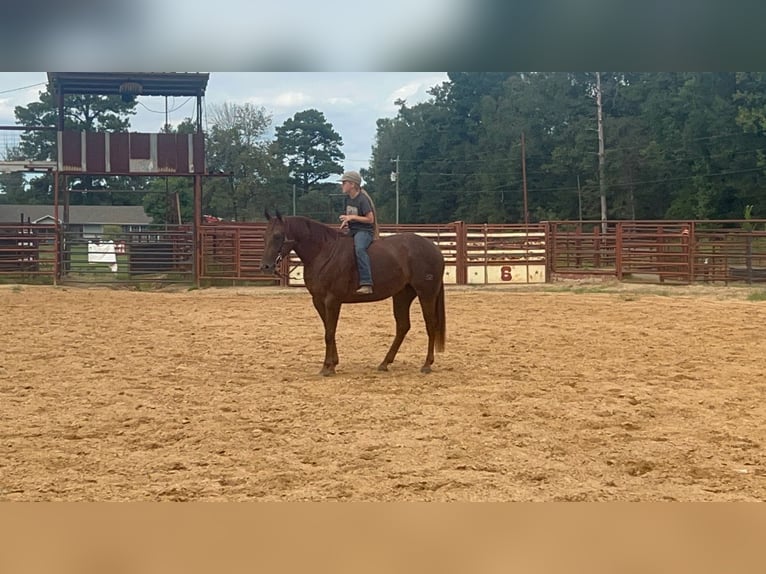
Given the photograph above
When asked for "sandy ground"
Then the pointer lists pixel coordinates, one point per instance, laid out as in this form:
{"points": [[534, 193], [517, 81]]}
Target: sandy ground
{"points": [[555, 393]]}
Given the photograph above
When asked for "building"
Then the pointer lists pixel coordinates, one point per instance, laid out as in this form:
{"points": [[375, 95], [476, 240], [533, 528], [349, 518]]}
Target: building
{"points": [[88, 220]]}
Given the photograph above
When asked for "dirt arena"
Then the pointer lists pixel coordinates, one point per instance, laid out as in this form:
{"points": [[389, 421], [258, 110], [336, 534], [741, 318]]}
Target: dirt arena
{"points": [[555, 393]]}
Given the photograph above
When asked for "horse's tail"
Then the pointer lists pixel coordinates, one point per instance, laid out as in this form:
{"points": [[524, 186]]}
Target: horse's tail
{"points": [[441, 318]]}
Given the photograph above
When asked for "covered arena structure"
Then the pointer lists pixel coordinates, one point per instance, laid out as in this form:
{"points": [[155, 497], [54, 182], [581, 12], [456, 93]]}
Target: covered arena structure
{"points": [[168, 250]]}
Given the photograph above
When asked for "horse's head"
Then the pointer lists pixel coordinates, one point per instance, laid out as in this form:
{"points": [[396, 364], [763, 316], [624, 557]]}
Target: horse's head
{"points": [[276, 245]]}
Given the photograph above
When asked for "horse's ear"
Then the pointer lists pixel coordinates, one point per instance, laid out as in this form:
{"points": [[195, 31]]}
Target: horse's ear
{"points": [[267, 215], [279, 215]]}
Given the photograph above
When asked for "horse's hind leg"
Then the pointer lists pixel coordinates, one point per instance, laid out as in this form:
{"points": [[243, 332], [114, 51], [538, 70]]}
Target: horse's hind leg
{"points": [[402, 302], [428, 306]]}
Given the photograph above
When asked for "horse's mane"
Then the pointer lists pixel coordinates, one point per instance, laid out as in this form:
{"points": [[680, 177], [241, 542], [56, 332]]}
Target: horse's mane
{"points": [[310, 229]]}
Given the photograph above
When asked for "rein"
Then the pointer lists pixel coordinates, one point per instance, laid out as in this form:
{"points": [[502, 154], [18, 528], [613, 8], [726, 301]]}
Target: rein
{"points": [[313, 235], [287, 247]]}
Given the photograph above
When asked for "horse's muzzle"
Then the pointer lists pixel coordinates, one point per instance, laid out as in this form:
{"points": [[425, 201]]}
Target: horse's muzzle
{"points": [[273, 268]]}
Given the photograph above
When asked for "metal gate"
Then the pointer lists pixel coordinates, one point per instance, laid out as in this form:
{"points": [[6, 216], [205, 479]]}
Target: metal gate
{"points": [[157, 255]]}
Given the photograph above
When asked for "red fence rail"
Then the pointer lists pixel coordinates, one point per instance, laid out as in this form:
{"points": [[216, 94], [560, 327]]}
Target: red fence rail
{"points": [[660, 251], [232, 251], [27, 251], [727, 251]]}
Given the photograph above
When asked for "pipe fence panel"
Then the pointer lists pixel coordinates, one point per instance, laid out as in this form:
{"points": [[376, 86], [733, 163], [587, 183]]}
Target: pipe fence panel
{"points": [[731, 251], [158, 255], [581, 248], [27, 253], [660, 251], [727, 256], [655, 252], [233, 251]]}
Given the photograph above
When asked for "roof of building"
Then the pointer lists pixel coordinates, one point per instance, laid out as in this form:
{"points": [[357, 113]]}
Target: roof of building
{"points": [[137, 83], [78, 214]]}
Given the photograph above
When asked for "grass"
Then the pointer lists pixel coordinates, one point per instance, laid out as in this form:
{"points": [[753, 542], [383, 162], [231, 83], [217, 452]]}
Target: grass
{"points": [[26, 279], [757, 295], [79, 266], [223, 282], [580, 290]]}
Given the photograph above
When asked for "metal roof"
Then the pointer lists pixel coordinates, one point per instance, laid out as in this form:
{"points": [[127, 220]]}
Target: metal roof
{"points": [[138, 83], [78, 214]]}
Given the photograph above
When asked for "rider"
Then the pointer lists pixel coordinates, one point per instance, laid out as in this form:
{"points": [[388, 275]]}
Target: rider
{"points": [[359, 218]]}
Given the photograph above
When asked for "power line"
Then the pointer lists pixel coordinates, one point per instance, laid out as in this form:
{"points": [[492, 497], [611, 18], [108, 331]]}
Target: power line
{"points": [[23, 88], [701, 138], [548, 172], [163, 111], [532, 190]]}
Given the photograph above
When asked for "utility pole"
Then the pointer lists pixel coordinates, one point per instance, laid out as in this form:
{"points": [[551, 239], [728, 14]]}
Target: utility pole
{"points": [[524, 178], [395, 178], [293, 199], [601, 153]]}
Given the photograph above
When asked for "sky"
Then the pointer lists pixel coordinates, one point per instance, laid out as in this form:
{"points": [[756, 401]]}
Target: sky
{"points": [[351, 101]]}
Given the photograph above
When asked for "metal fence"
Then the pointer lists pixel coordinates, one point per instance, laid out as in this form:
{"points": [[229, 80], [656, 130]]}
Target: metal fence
{"points": [[723, 251], [475, 254], [157, 254], [480, 254], [27, 252], [35, 253], [232, 252]]}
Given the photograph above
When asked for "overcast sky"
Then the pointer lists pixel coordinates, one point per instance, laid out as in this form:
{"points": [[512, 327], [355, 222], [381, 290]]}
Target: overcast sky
{"points": [[351, 101]]}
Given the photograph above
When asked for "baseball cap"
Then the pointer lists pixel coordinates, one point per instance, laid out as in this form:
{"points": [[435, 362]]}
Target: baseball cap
{"points": [[352, 176]]}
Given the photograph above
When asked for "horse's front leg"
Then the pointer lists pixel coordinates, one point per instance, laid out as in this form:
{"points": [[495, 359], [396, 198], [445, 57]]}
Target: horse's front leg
{"points": [[329, 310]]}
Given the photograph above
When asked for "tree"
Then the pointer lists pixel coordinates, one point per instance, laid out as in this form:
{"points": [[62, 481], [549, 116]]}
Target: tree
{"points": [[678, 145], [237, 145], [11, 184], [160, 200], [310, 148]]}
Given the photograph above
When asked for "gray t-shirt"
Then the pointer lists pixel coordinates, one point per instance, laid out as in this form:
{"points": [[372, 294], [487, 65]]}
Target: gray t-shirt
{"points": [[359, 205]]}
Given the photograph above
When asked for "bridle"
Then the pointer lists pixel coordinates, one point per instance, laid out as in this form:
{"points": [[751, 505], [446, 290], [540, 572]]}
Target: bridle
{"points": [[284, 251]]}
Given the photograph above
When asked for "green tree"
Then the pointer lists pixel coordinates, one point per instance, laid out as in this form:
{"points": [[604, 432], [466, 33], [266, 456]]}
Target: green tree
{"points": [[678, 145], [751, 101], [310, 148], [238, 148], [700, 164], [166, 196], [12, 185]]}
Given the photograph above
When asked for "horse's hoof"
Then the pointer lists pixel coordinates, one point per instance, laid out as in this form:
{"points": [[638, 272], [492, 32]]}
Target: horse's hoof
{"points": [[326, 372], [383, 367], [425, 369]]}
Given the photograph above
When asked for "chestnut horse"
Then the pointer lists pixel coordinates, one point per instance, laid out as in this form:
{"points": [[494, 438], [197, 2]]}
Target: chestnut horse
{"points": [[404, 266]]}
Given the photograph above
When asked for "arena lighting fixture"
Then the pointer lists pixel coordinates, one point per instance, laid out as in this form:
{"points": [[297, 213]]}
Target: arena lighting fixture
{"points": [[129, 91]]}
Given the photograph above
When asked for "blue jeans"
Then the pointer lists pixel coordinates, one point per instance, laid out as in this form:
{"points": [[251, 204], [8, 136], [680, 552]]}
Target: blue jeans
{"points": [[362, 240]]}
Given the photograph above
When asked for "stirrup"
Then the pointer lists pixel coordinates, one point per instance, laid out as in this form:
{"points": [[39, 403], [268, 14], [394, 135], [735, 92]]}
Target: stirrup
{"points": [[364, 290]]}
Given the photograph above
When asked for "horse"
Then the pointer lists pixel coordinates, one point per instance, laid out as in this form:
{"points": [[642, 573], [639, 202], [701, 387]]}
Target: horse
{"points": [[404, 266]]}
